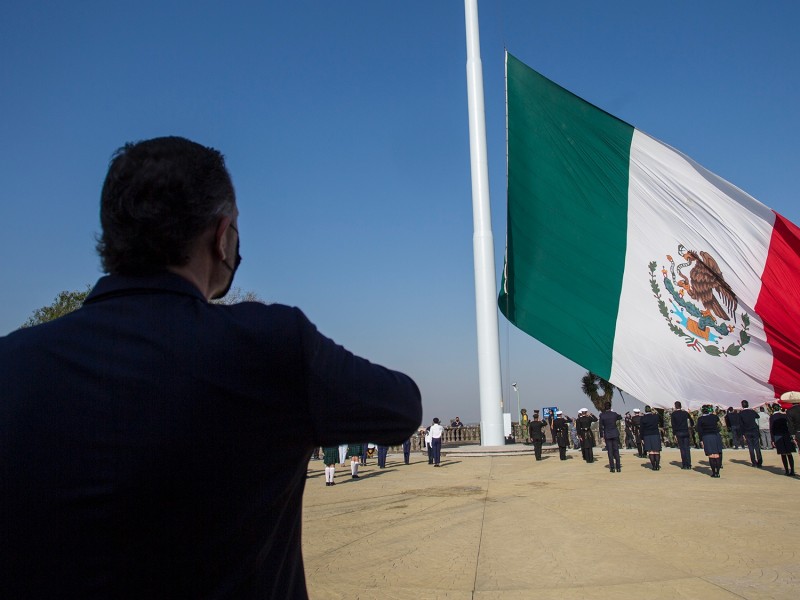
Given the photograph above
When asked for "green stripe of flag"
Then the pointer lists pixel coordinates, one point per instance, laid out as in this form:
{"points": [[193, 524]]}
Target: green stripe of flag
{"points": [[567, 218]]}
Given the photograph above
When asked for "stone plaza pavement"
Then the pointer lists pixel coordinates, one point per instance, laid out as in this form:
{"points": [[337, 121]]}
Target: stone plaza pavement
{"points": [[508, 527]]}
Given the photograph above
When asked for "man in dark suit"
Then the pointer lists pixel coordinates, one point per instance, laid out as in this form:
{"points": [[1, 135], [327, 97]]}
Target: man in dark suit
{"points": [[610, 434], [680, 420], [734, 424], [748, 420], [155, 445]]}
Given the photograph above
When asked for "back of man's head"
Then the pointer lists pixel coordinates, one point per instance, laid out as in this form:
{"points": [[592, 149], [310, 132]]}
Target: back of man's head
{"points": [[158, 197], [745, 404], [678, 405]]}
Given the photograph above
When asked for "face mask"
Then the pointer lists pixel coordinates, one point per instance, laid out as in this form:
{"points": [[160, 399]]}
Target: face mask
{"points": [[232, 269]]}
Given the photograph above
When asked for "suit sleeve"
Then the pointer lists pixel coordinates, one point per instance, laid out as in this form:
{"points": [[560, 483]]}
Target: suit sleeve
{"points": [[351, 399]]}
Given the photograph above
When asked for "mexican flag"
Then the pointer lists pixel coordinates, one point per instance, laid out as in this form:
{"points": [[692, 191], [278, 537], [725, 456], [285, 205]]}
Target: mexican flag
{"points": [[635, 262]]}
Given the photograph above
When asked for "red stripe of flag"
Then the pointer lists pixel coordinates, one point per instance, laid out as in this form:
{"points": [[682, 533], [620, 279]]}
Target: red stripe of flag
{"points": [[778, 305]]}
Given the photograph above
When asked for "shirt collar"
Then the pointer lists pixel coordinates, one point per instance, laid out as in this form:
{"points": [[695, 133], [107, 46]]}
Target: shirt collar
{"points": [[120, 285]]}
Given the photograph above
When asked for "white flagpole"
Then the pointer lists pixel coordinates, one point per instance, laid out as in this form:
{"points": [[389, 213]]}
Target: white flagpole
{"points": [[483, 243]]}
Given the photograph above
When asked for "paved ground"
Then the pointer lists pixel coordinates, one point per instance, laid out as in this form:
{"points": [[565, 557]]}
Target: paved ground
{"points": [[508, 527]]}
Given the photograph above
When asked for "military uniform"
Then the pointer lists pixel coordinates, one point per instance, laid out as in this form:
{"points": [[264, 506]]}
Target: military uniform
{"points": [[536, 433], [583, 425], [561, 432]]}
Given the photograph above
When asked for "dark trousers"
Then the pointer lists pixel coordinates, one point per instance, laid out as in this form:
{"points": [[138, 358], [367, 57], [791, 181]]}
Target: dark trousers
{"points": [[562, 452], [430, 453], [612, 447], [686, 453], [537, 449], [736, 435], [407, 451], [382, 452], [753, 440], [587, 451], [436, 444]]}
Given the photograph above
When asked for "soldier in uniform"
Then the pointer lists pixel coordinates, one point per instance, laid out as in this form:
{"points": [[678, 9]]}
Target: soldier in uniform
{"points": [[536, 433], [636, 420], [561, 433], [583, 425], [629, 439]]}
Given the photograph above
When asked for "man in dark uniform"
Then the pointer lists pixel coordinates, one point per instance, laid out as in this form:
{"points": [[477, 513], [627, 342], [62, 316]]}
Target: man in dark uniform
{"points": [[610, 434], [583, 426], [636, 421], [748, 419], [734, 424], [561, 432], [536, 433], [681, 420], [629, 439]]}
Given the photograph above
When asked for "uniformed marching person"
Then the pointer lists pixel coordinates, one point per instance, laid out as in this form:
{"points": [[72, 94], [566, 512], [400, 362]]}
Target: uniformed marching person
{"points": [[651, 437], [536, 433], [583, 425], [629, 439], [710, 439], [561, 432], [636, 420]]}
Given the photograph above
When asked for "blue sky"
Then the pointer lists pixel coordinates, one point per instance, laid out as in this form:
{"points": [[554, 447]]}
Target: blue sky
{"points": [[344, 125]]}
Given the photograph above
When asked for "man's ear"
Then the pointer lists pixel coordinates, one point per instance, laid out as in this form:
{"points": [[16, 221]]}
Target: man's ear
{"points": [[219, 237]]}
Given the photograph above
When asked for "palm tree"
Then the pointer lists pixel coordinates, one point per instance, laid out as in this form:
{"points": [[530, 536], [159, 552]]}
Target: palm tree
{"points": [[592, 384]]}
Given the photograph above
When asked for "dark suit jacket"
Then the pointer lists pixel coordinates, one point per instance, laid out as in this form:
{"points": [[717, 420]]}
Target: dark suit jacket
{"points": [[680, 420], [155, 445], [608, 424], [749, 420]]}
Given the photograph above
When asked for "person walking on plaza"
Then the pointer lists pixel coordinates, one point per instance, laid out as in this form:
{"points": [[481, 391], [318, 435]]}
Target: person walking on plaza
{"points": [[763, 428], [382, 452], [748, 420], [536, 433], [583, 425], [609, 432], [781, 438], [329, 456], [436, 441], [407, 451], [561, 431], [651, 437], [681, 420], [710, 438], [139, 433]]}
